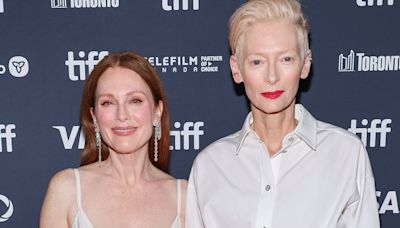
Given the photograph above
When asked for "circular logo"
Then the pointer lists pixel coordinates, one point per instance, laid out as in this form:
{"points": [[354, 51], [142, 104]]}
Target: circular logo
{"points": [[10, 208], [18, 66], [2, 69]]}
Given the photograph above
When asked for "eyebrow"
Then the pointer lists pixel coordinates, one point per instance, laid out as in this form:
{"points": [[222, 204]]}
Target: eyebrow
{"points": [[127, 94], [276, 52]]}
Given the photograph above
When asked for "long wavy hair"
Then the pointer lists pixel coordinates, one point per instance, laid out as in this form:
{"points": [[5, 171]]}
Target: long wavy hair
{"points": [[142, 67]]}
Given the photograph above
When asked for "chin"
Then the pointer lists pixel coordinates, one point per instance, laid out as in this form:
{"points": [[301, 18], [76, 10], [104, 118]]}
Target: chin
{"points": [[272, 108], [126, 149], [273, 111]]}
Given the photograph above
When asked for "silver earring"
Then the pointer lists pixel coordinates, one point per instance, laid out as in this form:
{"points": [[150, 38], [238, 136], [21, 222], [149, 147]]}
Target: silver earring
{"points": [[157, 136], [98, 141]]}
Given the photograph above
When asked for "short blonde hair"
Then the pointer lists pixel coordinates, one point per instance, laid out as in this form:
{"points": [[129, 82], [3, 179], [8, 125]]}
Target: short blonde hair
{"points": [[263, 11]]}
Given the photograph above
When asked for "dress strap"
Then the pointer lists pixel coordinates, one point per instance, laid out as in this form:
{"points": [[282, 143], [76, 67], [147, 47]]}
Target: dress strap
{"points": [[78, 188], [179, 193]]}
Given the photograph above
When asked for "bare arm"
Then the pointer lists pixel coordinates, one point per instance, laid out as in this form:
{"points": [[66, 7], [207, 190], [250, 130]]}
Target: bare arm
{"points": [[58, 200]]}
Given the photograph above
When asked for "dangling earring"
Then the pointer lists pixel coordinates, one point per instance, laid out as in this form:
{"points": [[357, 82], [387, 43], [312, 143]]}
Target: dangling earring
{"points": [[98, 141], [157, 136]]}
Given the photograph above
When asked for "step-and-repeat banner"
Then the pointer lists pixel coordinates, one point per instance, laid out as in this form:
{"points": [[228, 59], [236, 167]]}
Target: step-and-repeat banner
{"points": [[48, 47]]}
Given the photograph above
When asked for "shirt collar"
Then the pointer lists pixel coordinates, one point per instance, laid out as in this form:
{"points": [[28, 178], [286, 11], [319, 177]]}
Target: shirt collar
{"points": [[244, 132], [306, 128]]}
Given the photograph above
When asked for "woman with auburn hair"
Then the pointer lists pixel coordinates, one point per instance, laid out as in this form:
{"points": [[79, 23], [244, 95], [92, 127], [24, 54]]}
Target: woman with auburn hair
{"points": [[123, 180]]}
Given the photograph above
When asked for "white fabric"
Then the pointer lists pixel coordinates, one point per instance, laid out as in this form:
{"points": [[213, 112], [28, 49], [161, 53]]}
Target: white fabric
{"points": [[324, 181], [275, 165], [82, 221], [177, 222]]}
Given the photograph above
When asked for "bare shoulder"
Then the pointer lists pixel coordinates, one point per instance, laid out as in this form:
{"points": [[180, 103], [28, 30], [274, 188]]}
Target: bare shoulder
{"points": [[58, 200], [172, 185], [63, 177], [61, 183], [169, 184], [184, 184], [90, 171]]}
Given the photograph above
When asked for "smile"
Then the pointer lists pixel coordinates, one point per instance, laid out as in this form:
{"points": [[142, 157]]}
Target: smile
{"points": [[123, 130]]}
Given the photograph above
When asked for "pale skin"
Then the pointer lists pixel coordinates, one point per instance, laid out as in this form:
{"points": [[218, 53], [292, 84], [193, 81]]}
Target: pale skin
{"points": [[125, 190], [272, 59]]}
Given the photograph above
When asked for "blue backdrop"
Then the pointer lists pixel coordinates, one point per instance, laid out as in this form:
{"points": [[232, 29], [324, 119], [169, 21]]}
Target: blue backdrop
{"points": [[48, 47]]}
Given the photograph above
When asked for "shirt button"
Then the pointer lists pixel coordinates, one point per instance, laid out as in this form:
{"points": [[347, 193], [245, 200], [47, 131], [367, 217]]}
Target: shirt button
{"points": [[291, 139], [267, 188]]}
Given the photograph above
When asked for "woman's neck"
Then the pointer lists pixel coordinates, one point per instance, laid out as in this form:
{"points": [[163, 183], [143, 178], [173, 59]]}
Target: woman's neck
{"points": [[130, 168], [272, 128]]}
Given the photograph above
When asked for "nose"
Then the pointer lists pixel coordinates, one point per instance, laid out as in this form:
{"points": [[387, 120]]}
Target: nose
{"points": [[272, 74], [122, 113]]}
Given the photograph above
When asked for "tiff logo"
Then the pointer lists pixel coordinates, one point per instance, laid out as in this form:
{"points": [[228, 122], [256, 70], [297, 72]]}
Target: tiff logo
{"points": [[169, 5], [374, 2], [68, 139], [377, 127], [191, 130], [346, 64], [1, 6], [79, 68], [58, 4], [7, 133], [189, 135]]}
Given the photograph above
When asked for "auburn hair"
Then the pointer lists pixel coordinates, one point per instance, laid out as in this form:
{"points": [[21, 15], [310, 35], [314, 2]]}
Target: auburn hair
{"points": [[142, 67]]}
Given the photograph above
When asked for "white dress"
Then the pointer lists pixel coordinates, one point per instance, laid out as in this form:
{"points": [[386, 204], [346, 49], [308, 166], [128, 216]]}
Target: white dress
{"points": [[82, 221]]}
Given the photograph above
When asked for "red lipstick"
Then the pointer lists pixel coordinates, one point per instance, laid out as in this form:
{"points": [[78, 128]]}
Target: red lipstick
{"points": [[272, 95]]}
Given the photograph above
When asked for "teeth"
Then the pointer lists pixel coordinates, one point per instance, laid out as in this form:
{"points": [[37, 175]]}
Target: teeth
{"points": [[124, 130]]}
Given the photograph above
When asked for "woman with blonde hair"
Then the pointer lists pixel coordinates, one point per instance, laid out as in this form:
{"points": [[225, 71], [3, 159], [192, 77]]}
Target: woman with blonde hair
{"points": [[284, 168]]}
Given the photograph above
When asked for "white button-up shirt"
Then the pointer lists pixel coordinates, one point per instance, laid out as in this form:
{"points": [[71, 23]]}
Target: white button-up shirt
{"points": [[321, 178]]}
